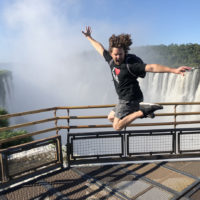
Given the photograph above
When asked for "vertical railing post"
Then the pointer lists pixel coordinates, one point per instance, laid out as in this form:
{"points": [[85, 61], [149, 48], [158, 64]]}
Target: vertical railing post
{"points": [[59, 150], [175, 116], [56, 121], [176, 140], [68, 120], [125, 145], [69, 152], [4, 167], [58, 142], [68, 148]]}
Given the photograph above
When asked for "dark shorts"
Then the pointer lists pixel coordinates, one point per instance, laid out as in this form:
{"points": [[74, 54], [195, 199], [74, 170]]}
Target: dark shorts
{"points": [[124, 108]]}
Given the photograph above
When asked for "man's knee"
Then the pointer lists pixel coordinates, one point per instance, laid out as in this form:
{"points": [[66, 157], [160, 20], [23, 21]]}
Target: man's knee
{"points": [[117, 127], [111, 116]]}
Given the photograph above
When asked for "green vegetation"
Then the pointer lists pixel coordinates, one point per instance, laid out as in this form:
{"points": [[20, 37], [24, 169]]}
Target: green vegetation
{"points": [[3, 122], [11, 133], [172, 55]]}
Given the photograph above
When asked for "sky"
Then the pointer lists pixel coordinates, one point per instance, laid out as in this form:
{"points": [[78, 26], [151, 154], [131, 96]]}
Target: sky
{"points": [[150, 22], [44, 41]]}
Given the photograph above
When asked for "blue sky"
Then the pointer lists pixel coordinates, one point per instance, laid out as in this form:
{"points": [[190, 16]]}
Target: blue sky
{"points": [[163, 21], [150, 22]]}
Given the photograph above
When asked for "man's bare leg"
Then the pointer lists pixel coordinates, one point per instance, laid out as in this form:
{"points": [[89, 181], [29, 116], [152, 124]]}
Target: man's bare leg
{"points": [[111, 116], [147, 110], [119, 124]]}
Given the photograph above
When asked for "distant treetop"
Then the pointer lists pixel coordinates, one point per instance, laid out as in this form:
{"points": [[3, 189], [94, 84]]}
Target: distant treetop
{"points": [[172, 55]]}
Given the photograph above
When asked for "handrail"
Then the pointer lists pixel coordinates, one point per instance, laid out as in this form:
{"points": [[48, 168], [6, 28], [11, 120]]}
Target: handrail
{"points": [[53, 109], [69, 117], [90, 117], [27, 113]]}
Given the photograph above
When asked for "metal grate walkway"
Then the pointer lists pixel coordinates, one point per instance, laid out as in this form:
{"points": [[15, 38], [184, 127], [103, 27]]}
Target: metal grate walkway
{"points": [[163, 181]]}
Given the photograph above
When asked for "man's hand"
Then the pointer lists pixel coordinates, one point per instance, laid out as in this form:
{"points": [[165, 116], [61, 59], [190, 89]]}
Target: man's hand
{"points": [[87, 32], [181, 70], [97, 45]]}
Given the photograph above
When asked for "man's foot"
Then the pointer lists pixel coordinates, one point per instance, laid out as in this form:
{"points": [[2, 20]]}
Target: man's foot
{"points": [[152, 115], [148, 109]]}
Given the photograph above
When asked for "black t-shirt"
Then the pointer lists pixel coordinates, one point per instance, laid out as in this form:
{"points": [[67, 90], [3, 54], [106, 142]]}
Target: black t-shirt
{"points": [[126, 84]]}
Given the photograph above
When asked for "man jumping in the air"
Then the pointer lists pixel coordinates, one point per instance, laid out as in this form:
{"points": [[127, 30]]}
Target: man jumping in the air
{"points": [[126, 68]]}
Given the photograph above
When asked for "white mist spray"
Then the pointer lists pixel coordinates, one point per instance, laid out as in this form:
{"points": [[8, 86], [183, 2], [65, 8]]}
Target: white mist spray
{"points": [[50, 67]]}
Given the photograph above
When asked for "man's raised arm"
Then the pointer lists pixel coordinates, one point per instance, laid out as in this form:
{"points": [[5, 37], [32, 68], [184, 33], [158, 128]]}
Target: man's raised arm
{"points": [[98, 46], [156, 68]]}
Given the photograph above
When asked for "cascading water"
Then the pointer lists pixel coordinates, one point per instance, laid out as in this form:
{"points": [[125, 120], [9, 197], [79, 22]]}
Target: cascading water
{"points": [[168, 87], [5, 88]]}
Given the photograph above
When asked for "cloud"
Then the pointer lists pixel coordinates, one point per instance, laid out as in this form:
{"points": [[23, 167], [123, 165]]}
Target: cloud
{"points": [[50, 68]]}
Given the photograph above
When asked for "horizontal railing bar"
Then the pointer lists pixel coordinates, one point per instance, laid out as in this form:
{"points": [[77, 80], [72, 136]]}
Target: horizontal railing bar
{"points": [[53, 108], [105, 116], [86, 107], [178, 103], [112, 105], [86, 126], [28, 124], [166, 123], [27, 135], [187, 122], [178, 113], [138, 124], [84, 117], [27, 113]]}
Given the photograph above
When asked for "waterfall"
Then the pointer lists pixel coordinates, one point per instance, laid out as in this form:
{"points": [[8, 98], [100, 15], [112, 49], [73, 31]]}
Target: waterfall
{"points": [[5, 88], [168, 87]]}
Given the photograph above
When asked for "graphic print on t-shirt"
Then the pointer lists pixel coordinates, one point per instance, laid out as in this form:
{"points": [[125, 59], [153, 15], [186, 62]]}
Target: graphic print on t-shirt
{"points": [[115, 73]]}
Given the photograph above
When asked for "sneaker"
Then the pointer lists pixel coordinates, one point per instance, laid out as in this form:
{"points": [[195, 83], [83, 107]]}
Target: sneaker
{"points": [[152, 115], [148, 109]]}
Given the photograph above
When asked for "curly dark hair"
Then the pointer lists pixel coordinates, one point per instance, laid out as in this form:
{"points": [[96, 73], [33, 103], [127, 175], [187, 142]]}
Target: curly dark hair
{"points": [[120, 41]]}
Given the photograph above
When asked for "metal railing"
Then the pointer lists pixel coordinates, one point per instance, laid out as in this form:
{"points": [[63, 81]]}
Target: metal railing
{"points": [[11, 168], [63, 120], [143, 146], [69, 118]]}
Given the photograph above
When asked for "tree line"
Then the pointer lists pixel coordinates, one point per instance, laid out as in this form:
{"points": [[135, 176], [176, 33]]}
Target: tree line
{"points": [[173, 55]]}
